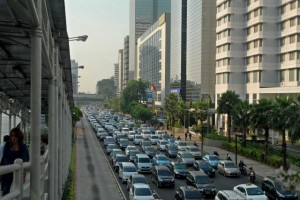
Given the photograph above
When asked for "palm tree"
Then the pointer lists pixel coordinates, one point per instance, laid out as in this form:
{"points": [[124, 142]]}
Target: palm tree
{"points": [[261, 114], [241, 117], [181, 107], [225, 106], [293, 121], [170, 107], [279, 121]]}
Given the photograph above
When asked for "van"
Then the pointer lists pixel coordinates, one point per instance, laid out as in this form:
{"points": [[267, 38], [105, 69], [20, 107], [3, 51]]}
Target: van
{"points": [[143, 163]]}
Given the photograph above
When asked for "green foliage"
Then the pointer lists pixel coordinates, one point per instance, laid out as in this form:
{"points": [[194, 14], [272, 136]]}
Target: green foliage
{"points": [[200, 109], [294, 160], [106, 88], [140, 112], [170, 108], [135, 91], [68, 192], [76, 115], [274, 160], [215, 136], [177, 125]]}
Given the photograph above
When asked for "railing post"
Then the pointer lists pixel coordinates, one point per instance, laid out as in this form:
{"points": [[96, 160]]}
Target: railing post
{"points": [[43, 173], [17, 184]]}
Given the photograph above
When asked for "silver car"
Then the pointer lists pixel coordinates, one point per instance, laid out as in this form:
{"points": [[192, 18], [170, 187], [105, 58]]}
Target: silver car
{"points": [[228, 168]]}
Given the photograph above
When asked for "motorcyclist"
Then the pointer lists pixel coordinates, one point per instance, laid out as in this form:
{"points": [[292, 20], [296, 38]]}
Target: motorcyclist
{"points": [[251, 174], [195, 144], [228, 157], [251, 170], [242, 167]]}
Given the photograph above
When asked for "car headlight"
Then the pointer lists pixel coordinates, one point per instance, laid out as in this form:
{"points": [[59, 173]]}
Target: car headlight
{"points": [[280, 195], [201, 189], [296, 195], [172, 179], [213, 189], [160, 180], [213, 170]]}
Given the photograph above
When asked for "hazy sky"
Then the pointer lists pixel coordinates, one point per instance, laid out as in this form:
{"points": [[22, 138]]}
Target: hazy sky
{"points": [[106, 22]]}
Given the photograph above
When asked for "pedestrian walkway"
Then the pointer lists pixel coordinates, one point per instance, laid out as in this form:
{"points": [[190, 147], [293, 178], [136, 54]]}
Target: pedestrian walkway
{"points": [[93, 177]]}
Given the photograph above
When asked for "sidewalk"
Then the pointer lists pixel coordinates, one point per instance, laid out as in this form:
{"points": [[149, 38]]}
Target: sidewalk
{"points": [[261, 170], [93, 178]]}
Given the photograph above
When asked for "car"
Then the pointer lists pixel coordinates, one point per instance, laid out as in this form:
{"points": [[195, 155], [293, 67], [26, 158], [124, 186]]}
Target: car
{"points": [[274, 190], [153, 139], [129, 148], [162, 176], [117, 160], [108, 140], [187, 193], [159, 133], [125, 170], [142, 163], [132, 154], [179, 170], [161, 145], [134, 179], [137, 139], [123, 143], [171, 151], [110, 147], [160, 159], [181, 145], [250, 191], [102, 136], [144, 144], [131, 135], [165, 136], [201, 181], [186, 157], [195, 151], [228, 168], [212, 159], [114, 152], [150, 151], [201, 165], [146, 134], [228, 195], [141, 191]]}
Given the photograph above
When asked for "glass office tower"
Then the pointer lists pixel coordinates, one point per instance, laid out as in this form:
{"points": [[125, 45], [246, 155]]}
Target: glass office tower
{"points": [[201, 51], [143, 13]]}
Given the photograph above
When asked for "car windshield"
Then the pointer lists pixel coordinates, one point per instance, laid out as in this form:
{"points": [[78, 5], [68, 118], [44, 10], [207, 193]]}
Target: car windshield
{"points": [[131, 148], [122, 159], [147, 132], [154, 137], [162, 158], [129, 169], [109, 140], [172, 148], [133, 153], [205, 165], [180, 166], [163, 143], [149, 149], [230, 165], [187, 155], [164, 173], [214, 158], [139, 180], [202, 180], [181, 143], [192, 194], [138, 137], [254, 191], [143, 192], [194, 149], [144, 160], [124, 141], [112, 147], [146, 143]]}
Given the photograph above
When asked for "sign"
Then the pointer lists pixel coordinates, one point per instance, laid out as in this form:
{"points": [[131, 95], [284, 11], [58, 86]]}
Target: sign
{"points": [[175, 90], [149, 99]]}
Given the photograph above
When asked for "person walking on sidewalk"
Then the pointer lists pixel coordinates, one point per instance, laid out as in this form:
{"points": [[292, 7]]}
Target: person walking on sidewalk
{"points": [[190, 136], [186, 133]]}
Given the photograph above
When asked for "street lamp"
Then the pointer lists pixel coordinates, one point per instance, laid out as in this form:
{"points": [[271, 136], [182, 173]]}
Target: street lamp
{"points": [[82, 38]]}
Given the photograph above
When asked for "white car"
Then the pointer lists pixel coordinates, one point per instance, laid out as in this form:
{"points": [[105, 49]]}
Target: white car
{"points": [[131, 135], [181, 145], [129, 148], [141, 191], [161, 145], [153, 139], [195, 151], [146, 134], [250, 191], [125, 170], [137, 139]]}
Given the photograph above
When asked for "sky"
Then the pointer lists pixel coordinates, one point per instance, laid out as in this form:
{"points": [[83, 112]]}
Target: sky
{"points": [[106, 22]]}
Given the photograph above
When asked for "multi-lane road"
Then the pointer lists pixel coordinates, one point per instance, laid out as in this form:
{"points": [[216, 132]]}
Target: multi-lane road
{"points": [[220, 182]]}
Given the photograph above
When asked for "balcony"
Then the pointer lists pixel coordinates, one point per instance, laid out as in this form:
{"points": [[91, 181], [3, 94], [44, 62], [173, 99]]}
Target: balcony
{"points": [[290, 30], [289, 13]]}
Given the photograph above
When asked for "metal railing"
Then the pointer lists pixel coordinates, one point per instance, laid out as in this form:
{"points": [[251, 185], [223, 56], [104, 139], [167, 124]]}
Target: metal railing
{"points": [[21, 182]]}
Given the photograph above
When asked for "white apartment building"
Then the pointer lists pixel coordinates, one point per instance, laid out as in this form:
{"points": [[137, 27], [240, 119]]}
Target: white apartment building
{"points": [[116, 77], [153, 57], [121, 71], [258, 48]]}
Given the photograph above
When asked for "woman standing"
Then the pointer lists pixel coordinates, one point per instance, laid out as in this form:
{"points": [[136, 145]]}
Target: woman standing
{"points": [[13, 149]]}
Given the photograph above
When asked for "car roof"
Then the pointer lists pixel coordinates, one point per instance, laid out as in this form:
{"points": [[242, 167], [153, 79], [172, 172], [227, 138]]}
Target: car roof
{"points": [[189, 188], [248, 185], [130, 164], [230, 194], [161, 168], [197, 173], [137, 175], [141, 185]]}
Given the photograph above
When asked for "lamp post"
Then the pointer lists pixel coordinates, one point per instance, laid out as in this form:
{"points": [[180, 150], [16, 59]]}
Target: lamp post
{"points": [[82, 38]]}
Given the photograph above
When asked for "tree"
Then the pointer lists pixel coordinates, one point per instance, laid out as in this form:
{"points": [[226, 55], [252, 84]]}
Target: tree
{"points": [[225, 106], [293, 121], [141, 112], [134, 91], [241, 117], [180, 111], [106, 88], [76, 115], [261, 114], [170, 107], [279, 119]]}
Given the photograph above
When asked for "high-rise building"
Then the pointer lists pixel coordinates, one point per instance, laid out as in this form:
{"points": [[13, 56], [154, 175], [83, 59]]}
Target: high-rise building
{"points": [[143, 13], [126, 61], [178, 46], [116, 77], [153, 58], [257, 48], [74, 70], [200, 50], [121, 69]]}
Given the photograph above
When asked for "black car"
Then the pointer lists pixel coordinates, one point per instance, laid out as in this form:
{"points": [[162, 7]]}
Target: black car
{"points": [[206, 167], [162, 176], [274, 190], [187, 192], [201, 181], [150, 151], [171, 150], [123, 143], [179, 170]]}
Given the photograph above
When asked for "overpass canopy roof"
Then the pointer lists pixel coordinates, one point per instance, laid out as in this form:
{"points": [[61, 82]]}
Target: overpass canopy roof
{"points": [[15, 49]]}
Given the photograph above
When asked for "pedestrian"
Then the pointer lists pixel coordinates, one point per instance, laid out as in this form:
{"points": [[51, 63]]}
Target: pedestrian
{"points": [[186, 133], [13, 149], [5, 139], [178, 138], [190, 136]]}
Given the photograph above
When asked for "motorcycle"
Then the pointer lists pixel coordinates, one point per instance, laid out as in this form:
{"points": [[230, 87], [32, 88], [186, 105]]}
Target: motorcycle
{"points": [[216, 153], [243, 170], [252, 177], [228, 157]]}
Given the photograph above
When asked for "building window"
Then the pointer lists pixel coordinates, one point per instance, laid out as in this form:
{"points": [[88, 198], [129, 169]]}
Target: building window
{"points": [[282, 27], [298, 55], [292, 39], [282, 42], [292, 22], [248, 2], [255, 43], [292, 75], [282, 9], [255, 77], [293, 5], [247, 61], [247, 97], [298, 74], [292, 56], [260, 43], [282, 76], [282, 57], [254, 98], [248, 16], [248, 77]]}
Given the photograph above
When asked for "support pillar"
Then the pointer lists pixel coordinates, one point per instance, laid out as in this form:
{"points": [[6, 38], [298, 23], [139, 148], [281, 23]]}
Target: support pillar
{"points": [[14, 121], [36, 85], [1, 126]]}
